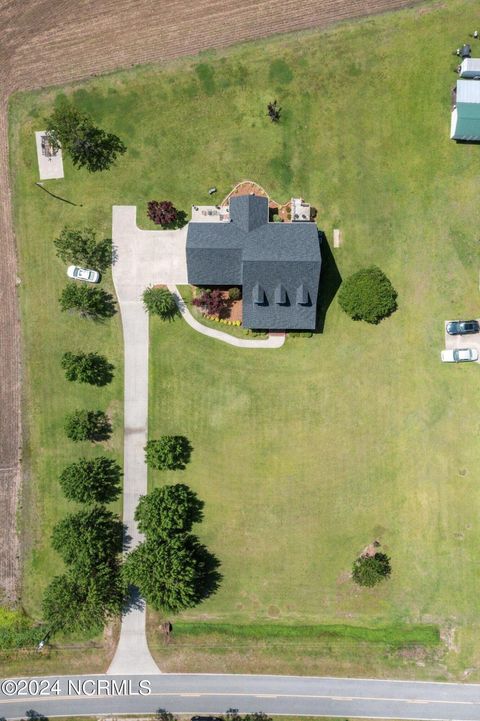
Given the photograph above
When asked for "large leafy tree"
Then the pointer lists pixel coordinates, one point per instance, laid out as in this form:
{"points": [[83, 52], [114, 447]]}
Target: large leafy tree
{"points": [[168, 510], [87, 368], [368, 295], [87, 145], [162, 212], [168, 453], [368, 570], [88, 302], [160, 301], [81, 247], [172, 575], [83, 425], [74, 603], [88, 538], [91, 481]]}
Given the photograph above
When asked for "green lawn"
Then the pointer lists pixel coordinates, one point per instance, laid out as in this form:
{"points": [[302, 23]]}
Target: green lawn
{"points": [[303, 455]]}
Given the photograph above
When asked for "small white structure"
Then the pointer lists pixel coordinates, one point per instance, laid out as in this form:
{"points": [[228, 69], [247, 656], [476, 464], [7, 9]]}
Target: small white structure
{"points": [[337, 238], [470, 68], [50, 163], [210, 214], [300, 210]]}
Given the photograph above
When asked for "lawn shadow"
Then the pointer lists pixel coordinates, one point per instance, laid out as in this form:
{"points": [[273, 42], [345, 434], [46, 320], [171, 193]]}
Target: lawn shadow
{"points": [[210, 578], [330, 282]]}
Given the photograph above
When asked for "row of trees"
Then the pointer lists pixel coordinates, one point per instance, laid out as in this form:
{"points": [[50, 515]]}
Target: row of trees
{"points": [[89, 542]]}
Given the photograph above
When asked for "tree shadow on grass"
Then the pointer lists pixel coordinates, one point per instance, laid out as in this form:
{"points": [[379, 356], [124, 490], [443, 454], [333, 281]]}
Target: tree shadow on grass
{"points": [[330, 282], [209, 577]]}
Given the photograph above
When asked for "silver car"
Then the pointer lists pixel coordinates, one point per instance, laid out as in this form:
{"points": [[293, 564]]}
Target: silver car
{"points": [[77, 273], [459, 355]]}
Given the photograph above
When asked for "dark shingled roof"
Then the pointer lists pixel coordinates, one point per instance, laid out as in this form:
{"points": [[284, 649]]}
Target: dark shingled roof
{"points": [[278, 264]]}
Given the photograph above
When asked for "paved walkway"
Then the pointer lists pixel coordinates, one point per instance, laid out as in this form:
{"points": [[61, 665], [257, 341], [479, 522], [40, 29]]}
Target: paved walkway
{"points": [[273, 340]]}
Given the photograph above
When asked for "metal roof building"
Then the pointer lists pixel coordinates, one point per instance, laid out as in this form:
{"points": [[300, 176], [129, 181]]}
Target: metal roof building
{"points": [[465, 124], [277, 264]]}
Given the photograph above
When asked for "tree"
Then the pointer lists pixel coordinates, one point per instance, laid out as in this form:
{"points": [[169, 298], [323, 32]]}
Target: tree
{"points": [[83, 604], [93, 303], [368, 295], [91, 481], [169, 453], [63, 125], [212, 301], [168, 510], [87, 368], [162, 212], [88, 538], [95, 149], [162, 715], [84, 425], [80, 247], [172, 575], [87, 145], [370, 570], [160, 301]]}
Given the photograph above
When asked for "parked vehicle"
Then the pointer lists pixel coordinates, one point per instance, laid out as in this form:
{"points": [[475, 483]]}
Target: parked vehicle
{"points": [[462, 327], [459, 355], [91, 276]]}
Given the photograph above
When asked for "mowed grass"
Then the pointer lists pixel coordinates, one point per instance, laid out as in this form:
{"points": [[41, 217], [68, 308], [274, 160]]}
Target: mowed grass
{"points": [[306, 454]]}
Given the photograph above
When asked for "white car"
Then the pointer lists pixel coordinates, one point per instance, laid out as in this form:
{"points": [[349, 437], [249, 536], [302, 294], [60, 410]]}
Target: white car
{"points": [[459, 355], [91, 276]]}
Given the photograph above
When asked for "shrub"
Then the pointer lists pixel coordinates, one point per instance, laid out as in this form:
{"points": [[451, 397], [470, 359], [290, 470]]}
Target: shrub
{"points": [[91, 481], [368, 295], [162, 212], [234, 294], [17, 630], [168, 453], [87, 368], [84, 425], [370, 570], [160, 301], [212, 301], [80, 247]]}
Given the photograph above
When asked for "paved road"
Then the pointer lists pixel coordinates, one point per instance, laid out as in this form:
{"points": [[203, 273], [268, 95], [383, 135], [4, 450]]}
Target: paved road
{"points": [[292, 695]]}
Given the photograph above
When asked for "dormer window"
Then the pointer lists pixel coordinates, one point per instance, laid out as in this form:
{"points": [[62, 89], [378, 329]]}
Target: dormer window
{"points": [[303, 297], [258, 294], [280, 295]]}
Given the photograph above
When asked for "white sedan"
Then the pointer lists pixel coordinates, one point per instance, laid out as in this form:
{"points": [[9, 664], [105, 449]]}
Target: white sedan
{"points": [[459, 355], [91, 276]]}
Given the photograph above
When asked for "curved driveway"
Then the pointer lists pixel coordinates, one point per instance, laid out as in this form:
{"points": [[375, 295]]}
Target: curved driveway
{"points": [[286, 695]]}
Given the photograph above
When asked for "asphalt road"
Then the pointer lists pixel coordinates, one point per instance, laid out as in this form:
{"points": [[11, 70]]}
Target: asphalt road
{"points": [[214, 694]]}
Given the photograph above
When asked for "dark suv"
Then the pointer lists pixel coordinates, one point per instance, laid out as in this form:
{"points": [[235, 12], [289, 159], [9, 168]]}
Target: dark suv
{"points": [[462, 327]]}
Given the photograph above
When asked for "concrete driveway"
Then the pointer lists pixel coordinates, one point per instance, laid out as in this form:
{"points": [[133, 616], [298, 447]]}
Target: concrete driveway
{"points": [[145, 257], [471, 340], [142, 258]]}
